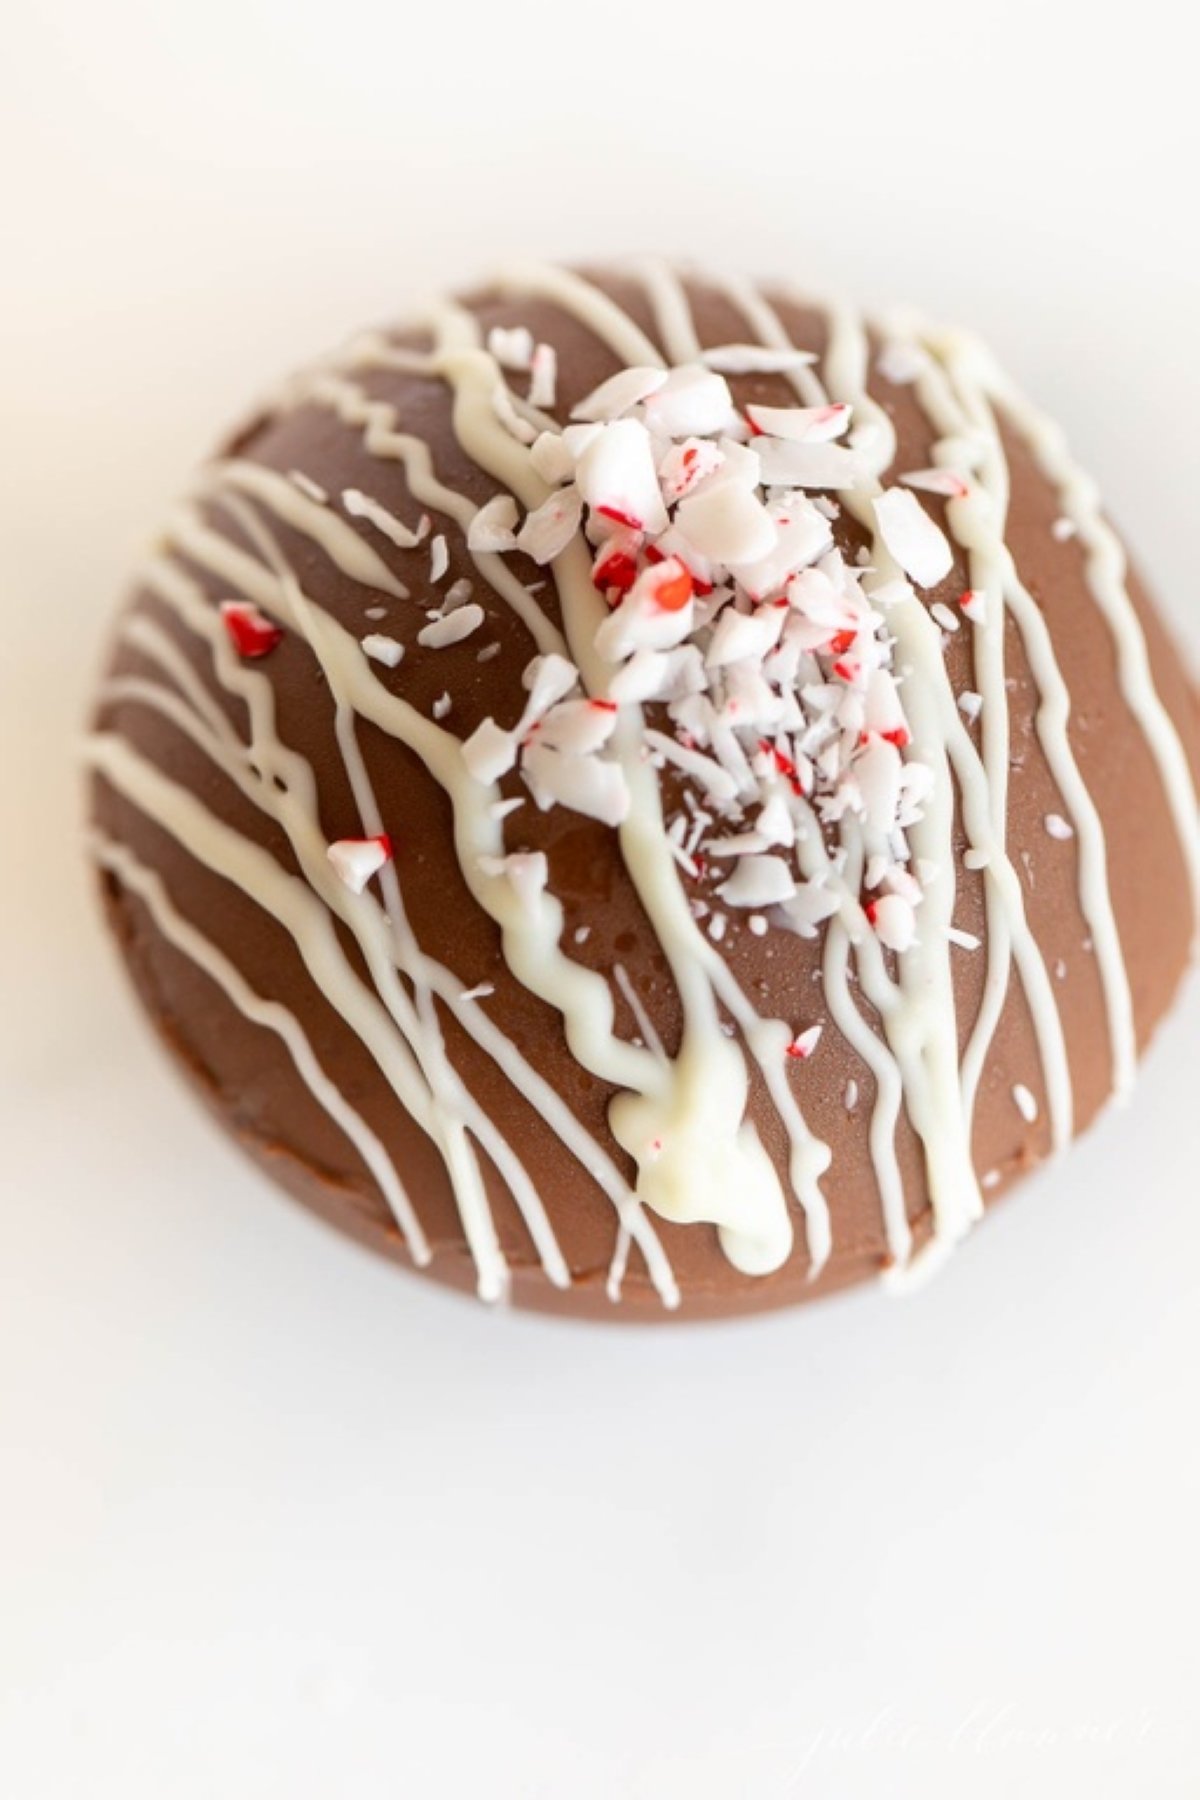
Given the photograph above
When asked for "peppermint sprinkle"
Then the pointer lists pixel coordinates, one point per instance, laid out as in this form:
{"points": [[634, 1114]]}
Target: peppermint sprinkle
{"points": [[482, 991], [917, 543], [965, 940], [355, 860], [970, 705], [1025, 1103], [973, 605], [1058, 827], [449, 628], [804, 1043], [439, 558], [945, 618], [1063, 530], [938, 481], [383, 649], [493, 528], [850, 1097], [250, 631], [441, 706]]}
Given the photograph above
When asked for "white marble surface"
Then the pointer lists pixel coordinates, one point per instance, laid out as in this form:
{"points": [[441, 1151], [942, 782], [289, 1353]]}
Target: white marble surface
{"points": [[280, 1523]]}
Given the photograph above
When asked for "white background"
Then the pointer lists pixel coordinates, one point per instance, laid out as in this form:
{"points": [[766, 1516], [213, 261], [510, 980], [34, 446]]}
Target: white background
{"points": [[280, 1522]]}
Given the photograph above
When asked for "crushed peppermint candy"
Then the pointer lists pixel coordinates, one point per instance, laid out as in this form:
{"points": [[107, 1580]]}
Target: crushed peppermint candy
{"points": [[439, 558], [441, 706], [383, 649], [918, 544], [850, 1096], [946, 482], [493, 527], [356, 860], [1058, 827], [970, 705], [550, 527], [973, 605], [729, 609], [251, 632], [452, 627], [1063, 530], [804, 1043]]}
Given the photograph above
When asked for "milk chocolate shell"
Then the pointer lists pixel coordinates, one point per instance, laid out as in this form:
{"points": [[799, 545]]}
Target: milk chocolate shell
{"points": [[648, 795]]}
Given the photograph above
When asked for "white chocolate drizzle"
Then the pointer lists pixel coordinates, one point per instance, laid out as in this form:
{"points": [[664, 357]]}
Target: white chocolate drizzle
{"points": [[825, 760]]}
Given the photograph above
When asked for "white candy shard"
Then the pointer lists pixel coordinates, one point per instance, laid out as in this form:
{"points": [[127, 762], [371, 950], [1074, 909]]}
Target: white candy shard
{"points": [[616, 396], [489, 752], [802, 534], [452, 627], [383, 649], [439, 558], [550, 527], [802, 424], [590, 785], [355, 860], [758, 881], [1058, 827], [894, 922], [578, 726], [727, 524], [805, 1042], [547, 679], [807, 465], [493, 527], [692, 401], [917, 543], [686, 465], [946, 482], [617, 477], [552, 457]]}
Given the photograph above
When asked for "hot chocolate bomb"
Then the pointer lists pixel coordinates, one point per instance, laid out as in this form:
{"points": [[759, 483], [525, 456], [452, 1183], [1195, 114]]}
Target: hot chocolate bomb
{"points": [[648, 795]]}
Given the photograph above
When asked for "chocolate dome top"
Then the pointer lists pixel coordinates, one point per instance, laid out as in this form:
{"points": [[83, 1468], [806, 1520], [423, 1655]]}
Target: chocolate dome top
{"points": [[643, 786]]}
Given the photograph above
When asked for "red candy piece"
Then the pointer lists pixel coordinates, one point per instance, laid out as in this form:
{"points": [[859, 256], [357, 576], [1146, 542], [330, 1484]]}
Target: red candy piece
{"points": [[675, 592], [252, 633]]}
